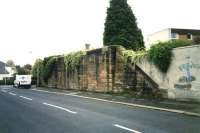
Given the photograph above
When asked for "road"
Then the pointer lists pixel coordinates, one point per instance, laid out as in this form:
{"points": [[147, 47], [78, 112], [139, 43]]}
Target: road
{"points": [[31, 111]]}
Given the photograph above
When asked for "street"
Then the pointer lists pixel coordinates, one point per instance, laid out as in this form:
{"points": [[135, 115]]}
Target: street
{"points": [[31, 111]]}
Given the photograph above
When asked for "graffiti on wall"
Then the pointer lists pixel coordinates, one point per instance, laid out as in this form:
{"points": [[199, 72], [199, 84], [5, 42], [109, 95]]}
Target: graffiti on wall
{"points": [[185, 81]]}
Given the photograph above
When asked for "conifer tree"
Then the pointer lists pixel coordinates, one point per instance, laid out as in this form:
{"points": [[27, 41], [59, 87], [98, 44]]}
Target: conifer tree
{"points": [[121, 26]]}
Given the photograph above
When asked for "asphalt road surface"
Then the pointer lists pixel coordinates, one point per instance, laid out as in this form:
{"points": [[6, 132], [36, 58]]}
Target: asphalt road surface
{"points": [[31, 111]]}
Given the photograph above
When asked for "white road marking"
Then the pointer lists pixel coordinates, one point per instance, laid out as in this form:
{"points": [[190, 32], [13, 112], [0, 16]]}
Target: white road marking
{"points": [[128, 104], [51, 105], [12, 94], [125, 128], [73, 93], [4, 91], [26, 98], [58, 93]]}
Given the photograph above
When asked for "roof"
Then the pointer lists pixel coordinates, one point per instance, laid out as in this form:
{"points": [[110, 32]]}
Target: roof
{"points": [[185, 31], [2, 68], [179, 30]]}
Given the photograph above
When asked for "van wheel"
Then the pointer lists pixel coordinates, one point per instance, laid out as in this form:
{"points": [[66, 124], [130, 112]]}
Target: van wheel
{"points": [[29, 86]]}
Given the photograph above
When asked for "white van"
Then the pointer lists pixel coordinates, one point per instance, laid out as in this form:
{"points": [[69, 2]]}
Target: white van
{"points": [[23, 81]]}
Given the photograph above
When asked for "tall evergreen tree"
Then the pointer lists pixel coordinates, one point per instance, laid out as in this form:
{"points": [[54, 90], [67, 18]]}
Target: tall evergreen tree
{"points": [[121, 26]]}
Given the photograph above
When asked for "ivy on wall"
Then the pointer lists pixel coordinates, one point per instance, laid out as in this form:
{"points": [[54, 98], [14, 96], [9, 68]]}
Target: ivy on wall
{"points": [[45, 69], [72, 60], [135, 56], [161, 54]]}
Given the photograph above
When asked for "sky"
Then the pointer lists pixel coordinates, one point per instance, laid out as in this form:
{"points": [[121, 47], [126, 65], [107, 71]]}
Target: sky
{"points": [[31, 29]]}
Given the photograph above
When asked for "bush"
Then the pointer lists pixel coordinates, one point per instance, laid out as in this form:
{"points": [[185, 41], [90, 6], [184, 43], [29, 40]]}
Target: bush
{"points": [[47, 67], [36, 71], [9, 81], [161, 54]]}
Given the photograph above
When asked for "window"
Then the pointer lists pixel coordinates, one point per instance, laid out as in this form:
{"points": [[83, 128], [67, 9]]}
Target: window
{"points": [[174, 35], [189, 36]]}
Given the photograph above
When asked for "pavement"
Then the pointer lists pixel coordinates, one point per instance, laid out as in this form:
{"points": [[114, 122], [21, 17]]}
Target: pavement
{"points": [[33, 111]]}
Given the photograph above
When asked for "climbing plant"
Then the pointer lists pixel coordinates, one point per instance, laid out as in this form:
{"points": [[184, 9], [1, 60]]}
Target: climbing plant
{"points": [[135, 56], [72, 60], [161, 53]]}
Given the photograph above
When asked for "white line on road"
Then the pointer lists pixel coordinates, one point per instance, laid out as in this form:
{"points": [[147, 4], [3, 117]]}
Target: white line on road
{"points": [[4, 91], [128, 104], [58, 93], [125, 128], [12, 94], [51, 105], [26, 98]]}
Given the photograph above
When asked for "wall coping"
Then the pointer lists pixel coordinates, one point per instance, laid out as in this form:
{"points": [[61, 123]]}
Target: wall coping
{"points": [[198, 45]]}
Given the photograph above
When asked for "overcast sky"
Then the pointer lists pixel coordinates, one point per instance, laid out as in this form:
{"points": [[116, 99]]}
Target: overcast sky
{"points": [[31, 29]]}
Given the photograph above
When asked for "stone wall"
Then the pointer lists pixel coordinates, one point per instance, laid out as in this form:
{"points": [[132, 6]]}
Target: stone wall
{"points": [[105, 70], [101, 70]]}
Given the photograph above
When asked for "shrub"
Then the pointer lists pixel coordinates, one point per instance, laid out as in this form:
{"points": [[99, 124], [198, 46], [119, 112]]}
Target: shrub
{"points": [[37, 68], [9, 81], [161, 54], [47, 67]]}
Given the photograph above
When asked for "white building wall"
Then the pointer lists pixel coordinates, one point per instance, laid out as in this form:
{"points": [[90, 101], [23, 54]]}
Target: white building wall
{"points": [[11, 72], [160, 36], [4, 76]]}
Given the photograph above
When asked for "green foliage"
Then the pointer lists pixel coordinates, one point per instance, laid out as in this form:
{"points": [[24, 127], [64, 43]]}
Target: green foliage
{"points": [[161, 54], [72, 60], [9, 81], [23, 70], [44, 68], [121, 26], [37, 68], [135, 56], [47, 67], [28, 67]]}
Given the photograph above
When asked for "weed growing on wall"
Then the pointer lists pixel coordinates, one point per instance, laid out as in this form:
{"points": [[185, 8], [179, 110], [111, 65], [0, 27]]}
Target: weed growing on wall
{"points": [[135, 56], [161, 54], [72, 60]]}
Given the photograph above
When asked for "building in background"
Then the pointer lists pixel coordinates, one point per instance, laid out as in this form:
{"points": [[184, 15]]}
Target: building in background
{"points": [[172, 33], [6, 71]]}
